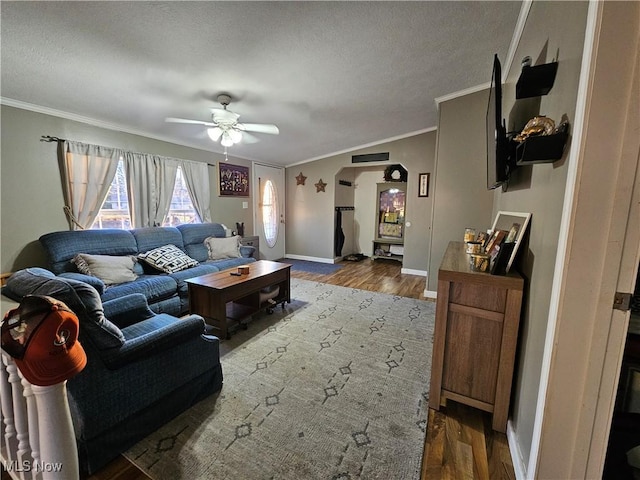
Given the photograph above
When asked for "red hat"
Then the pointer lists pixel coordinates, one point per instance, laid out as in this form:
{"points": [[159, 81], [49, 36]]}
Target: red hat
{"points": [[42, 337]]}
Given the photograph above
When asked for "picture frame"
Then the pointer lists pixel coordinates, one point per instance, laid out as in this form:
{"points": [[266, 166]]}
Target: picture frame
{"points": [[233, 180], [423, 185], [515, 223]]}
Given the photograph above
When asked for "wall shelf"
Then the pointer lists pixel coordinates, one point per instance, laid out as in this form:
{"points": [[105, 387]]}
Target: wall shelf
{"points": [[542, 148], [536, 81]]}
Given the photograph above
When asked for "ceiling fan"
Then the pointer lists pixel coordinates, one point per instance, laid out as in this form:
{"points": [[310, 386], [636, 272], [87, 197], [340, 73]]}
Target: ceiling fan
{"points": [[224, 125]]}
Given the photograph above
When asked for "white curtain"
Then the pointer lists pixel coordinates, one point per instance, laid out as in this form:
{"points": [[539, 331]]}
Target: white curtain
{"points": [[150, 182], [87, 171], [196, 176]]}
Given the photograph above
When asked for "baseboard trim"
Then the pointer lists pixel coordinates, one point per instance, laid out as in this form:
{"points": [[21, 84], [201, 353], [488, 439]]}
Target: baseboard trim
{"points": [[519, 466], [310, 259], [410, 271], [430, 294]]}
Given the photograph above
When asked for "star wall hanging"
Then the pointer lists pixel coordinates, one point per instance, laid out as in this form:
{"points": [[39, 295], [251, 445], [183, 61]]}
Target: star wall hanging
{"points": [[300, 179], [320, 186]]}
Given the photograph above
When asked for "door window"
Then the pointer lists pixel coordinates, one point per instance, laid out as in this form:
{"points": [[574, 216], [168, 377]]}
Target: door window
{"points": [[270, 213]]}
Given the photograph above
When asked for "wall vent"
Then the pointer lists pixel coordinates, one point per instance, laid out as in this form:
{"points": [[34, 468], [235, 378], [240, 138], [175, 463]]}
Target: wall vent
{"points": [[371, 157]]}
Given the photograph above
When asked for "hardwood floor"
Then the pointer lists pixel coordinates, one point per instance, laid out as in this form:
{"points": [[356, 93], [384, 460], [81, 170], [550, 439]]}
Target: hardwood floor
{"points": [[459, 441]]}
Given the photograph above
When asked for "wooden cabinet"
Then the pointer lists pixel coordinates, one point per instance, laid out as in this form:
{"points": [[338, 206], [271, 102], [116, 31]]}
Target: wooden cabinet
{"points": [[476, 332], [390, 213]]}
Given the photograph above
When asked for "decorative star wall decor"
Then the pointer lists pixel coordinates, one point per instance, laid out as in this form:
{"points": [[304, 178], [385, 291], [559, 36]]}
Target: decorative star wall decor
{"points": [[320, 186], [300, 179]]}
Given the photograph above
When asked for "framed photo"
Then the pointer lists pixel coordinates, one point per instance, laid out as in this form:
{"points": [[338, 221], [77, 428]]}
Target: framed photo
{"points": [[515, 225], [233, 180], [423, 185]]}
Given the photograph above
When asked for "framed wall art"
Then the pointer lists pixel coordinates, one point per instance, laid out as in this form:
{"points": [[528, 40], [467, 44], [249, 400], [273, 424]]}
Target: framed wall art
{"points": [[514, 225], [233, 180], [423, 185]]}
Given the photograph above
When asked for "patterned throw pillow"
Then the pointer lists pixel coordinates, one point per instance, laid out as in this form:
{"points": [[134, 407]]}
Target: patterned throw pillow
{"points": [[169, 259]]}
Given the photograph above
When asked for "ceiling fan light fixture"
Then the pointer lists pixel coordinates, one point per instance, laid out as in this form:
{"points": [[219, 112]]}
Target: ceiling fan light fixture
{"points": [[226, 141], [214, 133], [235, 135]]}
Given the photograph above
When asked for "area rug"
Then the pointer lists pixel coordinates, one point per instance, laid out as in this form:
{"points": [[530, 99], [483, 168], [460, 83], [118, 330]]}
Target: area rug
{"points": [[311, 267], [332, 386]]}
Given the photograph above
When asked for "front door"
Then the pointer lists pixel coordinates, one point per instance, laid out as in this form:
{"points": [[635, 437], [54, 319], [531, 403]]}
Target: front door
{"points": [[268, 209]]}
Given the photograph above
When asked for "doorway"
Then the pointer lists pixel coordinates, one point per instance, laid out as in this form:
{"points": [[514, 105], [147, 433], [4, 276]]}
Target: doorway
{"points": [[268, 207]]}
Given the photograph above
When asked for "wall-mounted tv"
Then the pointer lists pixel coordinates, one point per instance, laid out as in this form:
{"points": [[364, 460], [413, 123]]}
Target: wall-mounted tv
{"points": [[497, 142]]}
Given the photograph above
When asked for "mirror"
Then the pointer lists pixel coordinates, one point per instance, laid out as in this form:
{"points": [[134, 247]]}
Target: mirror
{"points": [[391, 202]]}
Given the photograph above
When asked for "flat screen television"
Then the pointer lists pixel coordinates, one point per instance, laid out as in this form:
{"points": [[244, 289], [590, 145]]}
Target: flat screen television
{"points": [[497, 143]]}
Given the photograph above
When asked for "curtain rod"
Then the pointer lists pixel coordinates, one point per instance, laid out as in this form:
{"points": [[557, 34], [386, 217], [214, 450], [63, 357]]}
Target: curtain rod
{"points": [[49, 138]]}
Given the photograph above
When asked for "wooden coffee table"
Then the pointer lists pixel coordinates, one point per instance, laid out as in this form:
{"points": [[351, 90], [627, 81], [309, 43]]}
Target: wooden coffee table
{"points": [[223, 299]]}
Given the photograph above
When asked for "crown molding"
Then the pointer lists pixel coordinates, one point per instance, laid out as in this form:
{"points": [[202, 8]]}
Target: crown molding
{"points": [[366, 145], [99, 123], [513, 46], [461, 93]]}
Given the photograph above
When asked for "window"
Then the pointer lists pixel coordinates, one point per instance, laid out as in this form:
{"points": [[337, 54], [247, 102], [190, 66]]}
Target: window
{"points": [[270, 213], [181, 209], [115, 209]]}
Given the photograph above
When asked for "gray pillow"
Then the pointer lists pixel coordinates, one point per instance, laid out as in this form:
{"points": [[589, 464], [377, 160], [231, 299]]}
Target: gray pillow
{"points": [[110, 269], [219, 248]]}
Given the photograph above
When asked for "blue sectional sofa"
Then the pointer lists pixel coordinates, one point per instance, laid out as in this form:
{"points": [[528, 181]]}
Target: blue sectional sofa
{"points": [[142, 368], [164, 292]]}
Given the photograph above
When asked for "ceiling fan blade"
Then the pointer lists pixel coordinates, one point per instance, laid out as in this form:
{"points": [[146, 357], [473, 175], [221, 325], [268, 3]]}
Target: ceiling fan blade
{"points": [[186, 120], [259, 128], [248, 138]]}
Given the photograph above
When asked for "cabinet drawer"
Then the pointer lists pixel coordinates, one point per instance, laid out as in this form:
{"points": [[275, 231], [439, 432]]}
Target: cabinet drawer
{"points": [[485, 297]]}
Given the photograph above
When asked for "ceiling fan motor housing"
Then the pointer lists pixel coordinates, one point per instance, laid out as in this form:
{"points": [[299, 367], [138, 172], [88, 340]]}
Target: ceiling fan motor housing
{"points": [[224, 100]]}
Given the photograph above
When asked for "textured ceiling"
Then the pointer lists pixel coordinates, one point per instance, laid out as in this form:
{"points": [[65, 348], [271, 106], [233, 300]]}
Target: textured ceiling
{"points": [[331, 75]]}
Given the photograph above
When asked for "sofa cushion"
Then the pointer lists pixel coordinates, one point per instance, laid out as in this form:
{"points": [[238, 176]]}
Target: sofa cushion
{"points": [[194, 234], [153, 287], [61, 247], [168, 259], [149, 238], [80, 297], [225, 263], [95, 282], [219, 248], [108, 268]]}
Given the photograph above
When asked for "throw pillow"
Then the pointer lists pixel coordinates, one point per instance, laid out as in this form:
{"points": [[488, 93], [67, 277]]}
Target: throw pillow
{"points": [[219, 248], [169, 259], [108, 268]]}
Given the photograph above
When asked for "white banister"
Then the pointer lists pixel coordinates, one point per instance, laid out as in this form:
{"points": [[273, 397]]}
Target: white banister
{"points": [[34, 438], [38, 440]]}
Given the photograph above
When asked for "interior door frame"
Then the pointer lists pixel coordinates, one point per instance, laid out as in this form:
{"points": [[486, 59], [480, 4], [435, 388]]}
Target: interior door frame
{"points": [[599, 246]]}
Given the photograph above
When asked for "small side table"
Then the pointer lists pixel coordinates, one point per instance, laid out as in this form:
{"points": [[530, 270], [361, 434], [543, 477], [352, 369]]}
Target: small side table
{"points": [[253, 241]]}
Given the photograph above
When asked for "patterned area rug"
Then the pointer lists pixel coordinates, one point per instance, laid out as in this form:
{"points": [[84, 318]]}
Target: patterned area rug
{"points": [[333, 386]]}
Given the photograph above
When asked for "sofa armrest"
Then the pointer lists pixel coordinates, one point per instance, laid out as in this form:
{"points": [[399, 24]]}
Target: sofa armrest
{"points": [[95, 282], [247, 251], [127, 310], [155, 342]]}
